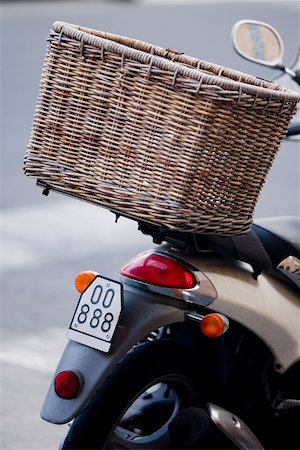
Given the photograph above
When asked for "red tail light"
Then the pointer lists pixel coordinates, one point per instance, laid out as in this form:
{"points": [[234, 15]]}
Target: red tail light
{"points": [[159, 270], [67, 384]]}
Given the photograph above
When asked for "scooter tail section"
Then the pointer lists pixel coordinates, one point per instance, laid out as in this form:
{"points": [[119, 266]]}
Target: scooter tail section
{"points": [[142, 313]]}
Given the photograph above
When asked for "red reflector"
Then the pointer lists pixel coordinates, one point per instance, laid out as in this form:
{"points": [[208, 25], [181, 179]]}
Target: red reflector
{"points": [[159, 270], [67, 384]]}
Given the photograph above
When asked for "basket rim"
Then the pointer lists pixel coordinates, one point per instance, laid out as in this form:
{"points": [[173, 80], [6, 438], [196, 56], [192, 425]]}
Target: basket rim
{"points": [[84, 37]]}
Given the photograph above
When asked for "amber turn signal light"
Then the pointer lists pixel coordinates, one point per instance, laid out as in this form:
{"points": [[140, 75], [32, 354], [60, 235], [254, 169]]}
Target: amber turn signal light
{"points": [[83, 279], [214, 325]]}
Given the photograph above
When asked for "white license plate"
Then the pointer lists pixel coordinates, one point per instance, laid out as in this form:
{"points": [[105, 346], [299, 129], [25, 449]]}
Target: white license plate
{"points": [[97, 314]]}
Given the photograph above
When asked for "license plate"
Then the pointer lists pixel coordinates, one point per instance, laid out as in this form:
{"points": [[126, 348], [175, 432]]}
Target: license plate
{"points": [[97, 314]]}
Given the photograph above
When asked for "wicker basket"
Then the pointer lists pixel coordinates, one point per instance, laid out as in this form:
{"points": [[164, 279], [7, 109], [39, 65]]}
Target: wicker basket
{"points": [[154, 134]]}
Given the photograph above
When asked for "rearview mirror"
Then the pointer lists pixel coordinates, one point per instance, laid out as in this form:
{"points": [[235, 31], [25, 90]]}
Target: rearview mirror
{"points": [[258, 42]]}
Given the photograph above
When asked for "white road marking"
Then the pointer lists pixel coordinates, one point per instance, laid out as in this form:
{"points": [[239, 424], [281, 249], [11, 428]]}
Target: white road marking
{"points": [[63, 229], [37, 353], [57, 230]]}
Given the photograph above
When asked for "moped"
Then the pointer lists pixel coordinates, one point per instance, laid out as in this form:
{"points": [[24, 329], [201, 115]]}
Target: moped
{"points": [[198, 344]]}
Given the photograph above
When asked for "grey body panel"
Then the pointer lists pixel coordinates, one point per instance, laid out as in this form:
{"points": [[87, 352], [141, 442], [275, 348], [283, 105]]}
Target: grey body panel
{"points": [[266, 306], [143, 312]]}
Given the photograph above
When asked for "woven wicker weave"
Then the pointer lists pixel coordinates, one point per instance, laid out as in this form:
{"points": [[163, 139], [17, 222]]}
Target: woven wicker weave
{"points": [[154, 134]]}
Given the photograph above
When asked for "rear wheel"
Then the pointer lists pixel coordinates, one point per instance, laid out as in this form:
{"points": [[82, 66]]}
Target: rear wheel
{"points": [[137, 402]]}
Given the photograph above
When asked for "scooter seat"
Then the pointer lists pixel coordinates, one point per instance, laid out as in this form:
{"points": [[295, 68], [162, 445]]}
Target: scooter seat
{"points": [[280, 236]]}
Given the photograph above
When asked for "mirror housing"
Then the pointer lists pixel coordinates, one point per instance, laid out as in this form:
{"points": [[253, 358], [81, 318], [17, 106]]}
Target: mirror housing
{"points": [[259, 42]]}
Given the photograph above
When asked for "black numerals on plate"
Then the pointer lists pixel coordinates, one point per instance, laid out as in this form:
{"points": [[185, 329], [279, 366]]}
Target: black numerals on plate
{"points": [[83, 315], [96, 294], [96, 318], [93, 316], [108, 298], [108, 318]]}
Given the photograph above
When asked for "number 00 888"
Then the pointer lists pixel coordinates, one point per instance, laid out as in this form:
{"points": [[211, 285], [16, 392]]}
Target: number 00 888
{"points": [[97, 314]]}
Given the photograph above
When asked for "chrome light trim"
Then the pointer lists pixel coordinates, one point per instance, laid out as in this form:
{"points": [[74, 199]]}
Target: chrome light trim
{"points": [[234, 428], [203, 294]]}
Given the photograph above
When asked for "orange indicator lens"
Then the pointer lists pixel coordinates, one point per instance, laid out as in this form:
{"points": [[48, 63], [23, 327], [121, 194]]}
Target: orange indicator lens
{"points": [[214, 325], [83, 279]]}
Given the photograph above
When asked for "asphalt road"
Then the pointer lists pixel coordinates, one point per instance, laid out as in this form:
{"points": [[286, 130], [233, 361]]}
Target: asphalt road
{"points": [[46, 241]]}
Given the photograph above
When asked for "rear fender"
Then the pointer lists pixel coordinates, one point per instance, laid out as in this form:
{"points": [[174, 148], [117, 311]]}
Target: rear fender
{"points": [[142, 313]]}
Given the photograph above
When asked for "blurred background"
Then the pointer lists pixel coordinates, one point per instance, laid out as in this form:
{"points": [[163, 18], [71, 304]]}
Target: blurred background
{"points": [[46, 241]]}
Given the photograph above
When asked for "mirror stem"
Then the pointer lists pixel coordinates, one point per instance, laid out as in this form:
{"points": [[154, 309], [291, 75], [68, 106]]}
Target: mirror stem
{"points": [[294, 75], [280, 66], [289, 72]]}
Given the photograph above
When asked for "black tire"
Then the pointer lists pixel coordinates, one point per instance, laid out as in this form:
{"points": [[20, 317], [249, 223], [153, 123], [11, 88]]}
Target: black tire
{"points": [[161, 363]]}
